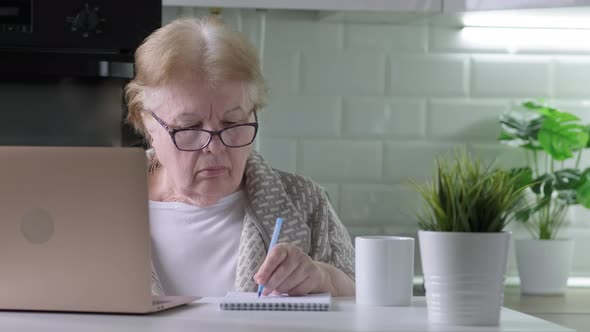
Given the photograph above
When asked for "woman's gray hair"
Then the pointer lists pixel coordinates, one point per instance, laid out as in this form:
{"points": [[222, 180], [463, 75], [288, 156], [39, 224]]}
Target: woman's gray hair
{"points": [[204, 48]]}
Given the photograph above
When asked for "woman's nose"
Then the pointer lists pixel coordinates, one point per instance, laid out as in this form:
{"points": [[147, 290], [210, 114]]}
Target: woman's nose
{"points": [[215, 145]]}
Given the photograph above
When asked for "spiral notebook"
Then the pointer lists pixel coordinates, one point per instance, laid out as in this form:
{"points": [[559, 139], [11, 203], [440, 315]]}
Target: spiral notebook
{"points": [[251, 301]]}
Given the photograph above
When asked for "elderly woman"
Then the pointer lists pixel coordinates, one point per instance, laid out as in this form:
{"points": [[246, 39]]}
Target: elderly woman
{"points": [[213, 199]]}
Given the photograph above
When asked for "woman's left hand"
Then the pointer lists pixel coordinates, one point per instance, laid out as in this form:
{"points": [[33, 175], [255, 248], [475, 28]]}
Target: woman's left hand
{"points": [[288, 270]]}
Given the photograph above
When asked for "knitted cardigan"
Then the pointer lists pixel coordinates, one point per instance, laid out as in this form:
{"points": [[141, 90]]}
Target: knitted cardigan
{"points": [[309, 222]]}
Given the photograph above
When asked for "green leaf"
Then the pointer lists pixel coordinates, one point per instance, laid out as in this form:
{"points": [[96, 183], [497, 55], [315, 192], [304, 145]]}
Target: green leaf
{"points": [[559, 138], [523, 215], [531, 105], [583, 194], [516, 142], [523, 177], [511, 140], [568, 197], [568, 178], [520, 128], [564, 180], [543, 185], [583, 190], [554, 114]]}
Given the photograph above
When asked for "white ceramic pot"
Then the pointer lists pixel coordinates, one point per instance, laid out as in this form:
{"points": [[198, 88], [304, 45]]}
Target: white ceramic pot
{"points": [[544, 265], [464, 276]]}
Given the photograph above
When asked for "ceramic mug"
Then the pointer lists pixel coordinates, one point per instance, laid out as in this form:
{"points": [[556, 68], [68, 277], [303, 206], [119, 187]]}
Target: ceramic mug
{"points": [[384, 270]]}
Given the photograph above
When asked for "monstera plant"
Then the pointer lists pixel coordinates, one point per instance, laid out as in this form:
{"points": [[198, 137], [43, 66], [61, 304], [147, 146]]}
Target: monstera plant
{"points": [[552, 142], [549, 139]]}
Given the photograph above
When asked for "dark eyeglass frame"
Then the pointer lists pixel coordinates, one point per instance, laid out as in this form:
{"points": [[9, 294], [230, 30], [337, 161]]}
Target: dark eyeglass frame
{"points": [[172, 132]]}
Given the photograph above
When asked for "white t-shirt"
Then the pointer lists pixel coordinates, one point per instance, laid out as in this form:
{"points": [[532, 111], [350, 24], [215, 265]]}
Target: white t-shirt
{"points": [[195, 250]]}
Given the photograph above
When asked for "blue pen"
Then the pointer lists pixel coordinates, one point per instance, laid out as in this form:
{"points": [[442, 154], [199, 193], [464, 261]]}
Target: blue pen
{"points": [[273, 241]]}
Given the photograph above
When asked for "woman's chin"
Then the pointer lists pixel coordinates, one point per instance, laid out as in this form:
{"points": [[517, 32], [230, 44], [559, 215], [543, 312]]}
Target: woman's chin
{"points": [[212, 187]]}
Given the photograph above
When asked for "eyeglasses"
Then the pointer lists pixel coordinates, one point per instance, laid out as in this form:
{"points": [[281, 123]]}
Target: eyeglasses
{"points": [[193, 139]]}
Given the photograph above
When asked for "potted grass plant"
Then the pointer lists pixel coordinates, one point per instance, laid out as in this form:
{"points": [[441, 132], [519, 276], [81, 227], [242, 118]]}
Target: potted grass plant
{"points": [[552, 142], [463, 244]]}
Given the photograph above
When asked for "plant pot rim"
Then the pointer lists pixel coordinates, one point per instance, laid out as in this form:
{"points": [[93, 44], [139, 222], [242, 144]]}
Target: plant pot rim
{"points": [[543, 240], [383, 238], [477, 233]]}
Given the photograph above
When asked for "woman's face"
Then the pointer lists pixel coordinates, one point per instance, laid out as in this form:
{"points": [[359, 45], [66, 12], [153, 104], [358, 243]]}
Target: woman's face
{"points": [[215, 171]]}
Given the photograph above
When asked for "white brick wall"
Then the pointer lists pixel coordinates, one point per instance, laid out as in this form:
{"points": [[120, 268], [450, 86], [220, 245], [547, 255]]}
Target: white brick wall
{"points": [[429, 75], [281, 70], [458, 120], [383, 117], [338, 72], [288, 116], [300, 30], [510, 76], [361, 108], [342, 159], [405, 39], [572, 77]]}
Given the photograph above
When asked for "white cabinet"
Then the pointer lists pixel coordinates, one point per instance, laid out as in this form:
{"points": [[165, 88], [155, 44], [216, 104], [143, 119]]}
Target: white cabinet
{"points": [[481, 5], [415, 6], [427, 6]]}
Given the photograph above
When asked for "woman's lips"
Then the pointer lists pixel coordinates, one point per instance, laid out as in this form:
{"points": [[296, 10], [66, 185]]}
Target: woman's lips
{"points": [[212, 171]]}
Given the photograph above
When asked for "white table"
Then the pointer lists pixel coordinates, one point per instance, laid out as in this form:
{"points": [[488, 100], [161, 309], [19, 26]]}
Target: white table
{"points": [[204, 315]]}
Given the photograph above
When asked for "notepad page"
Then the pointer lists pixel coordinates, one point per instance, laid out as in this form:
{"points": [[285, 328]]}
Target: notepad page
{"points": [[251, 301]]}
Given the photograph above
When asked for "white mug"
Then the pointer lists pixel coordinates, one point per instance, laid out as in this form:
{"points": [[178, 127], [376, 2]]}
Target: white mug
{"points": [[384, 270]]}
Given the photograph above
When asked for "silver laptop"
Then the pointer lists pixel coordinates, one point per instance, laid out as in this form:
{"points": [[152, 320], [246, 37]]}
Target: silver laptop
{"points": [[74, 231]]}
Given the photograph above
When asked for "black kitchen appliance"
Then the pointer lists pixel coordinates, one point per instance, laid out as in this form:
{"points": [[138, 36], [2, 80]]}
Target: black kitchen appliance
{"points": [[63, 66]]}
